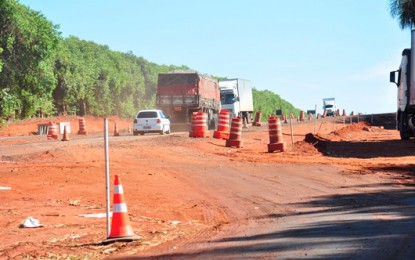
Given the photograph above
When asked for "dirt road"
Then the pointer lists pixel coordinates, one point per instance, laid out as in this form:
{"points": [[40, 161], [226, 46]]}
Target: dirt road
{"points": [[346, 193]]}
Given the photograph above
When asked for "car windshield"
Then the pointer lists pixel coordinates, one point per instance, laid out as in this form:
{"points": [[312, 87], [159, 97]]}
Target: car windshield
{"points": [[147, 114]]}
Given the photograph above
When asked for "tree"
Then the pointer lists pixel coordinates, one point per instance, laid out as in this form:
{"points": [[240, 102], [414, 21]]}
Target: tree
{"points": [[404, 12], [27, 42], [268, 102]]}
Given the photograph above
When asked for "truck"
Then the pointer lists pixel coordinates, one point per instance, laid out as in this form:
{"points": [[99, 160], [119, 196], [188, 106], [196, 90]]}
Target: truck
{"points": [[404, 78], [329, 106], [180, 93], [236, 96]]}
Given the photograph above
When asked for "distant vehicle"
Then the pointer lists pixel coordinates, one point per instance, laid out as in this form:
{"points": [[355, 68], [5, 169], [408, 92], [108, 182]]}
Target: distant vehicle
{"points": [[151, 121], [405, 114], [329, 106], [236, 96], [180, 93]]}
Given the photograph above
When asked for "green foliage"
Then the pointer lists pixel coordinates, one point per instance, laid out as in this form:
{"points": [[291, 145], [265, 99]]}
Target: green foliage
{"points": [[1, 61], [268, 102], [404, 12], [41, 70], [94, 80], [28, 43], [9, 103]]}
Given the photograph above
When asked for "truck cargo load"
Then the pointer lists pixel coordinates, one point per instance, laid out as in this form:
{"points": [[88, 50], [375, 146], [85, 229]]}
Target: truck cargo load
{"points": [[181, 93]]}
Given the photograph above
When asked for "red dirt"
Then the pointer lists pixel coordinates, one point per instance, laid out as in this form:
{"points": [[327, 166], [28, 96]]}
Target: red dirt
{"points": [[56, 181]]}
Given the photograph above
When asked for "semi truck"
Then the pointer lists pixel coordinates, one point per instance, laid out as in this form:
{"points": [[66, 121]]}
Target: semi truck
{"points": [[236, 96], [404, 78], [329, 106], [180, 93]]}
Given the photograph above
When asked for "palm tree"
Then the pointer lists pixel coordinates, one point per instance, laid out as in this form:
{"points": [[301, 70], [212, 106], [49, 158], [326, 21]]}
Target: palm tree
{"points": [[404, 12]]}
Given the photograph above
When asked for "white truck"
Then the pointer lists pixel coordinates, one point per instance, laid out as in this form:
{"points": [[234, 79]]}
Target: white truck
{"points": [[405, 81], [329, 106], [236, 96]]}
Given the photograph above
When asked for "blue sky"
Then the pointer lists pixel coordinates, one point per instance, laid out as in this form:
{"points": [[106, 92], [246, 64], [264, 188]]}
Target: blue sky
{"points": [[302, 50]]}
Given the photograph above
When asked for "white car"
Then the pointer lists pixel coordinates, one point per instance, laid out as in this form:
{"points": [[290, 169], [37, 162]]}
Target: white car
{"points": [[151, 121]]}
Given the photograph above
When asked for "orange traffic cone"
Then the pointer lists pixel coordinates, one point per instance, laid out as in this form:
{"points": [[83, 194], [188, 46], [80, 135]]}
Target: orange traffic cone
{"points": [[116, 133], [65, 134], [121, 230]]}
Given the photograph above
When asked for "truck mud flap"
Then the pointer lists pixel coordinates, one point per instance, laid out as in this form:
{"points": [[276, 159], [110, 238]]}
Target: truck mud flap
{"points": [[184, 127]]}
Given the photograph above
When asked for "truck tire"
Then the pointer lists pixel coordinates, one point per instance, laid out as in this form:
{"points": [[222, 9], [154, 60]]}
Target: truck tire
{"points": [[214, 122], [245, 115], [404, 130]]}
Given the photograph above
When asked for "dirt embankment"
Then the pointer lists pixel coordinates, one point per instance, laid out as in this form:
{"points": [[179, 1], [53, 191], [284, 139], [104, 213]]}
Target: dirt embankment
{"points": [[179, 190]]}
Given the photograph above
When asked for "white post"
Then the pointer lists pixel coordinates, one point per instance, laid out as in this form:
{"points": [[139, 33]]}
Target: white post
{"points": [[107, 175]]}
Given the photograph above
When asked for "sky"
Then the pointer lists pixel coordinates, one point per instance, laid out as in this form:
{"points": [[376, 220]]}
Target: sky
{"points": [[303, 50]]}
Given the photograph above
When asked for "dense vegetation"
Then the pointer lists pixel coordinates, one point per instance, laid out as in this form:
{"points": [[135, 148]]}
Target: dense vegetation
{"points": [[268, 102], [42, 72]]}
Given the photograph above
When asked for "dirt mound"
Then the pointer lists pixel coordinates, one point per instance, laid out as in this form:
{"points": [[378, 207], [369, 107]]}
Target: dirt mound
{"points": [[359, 140]]}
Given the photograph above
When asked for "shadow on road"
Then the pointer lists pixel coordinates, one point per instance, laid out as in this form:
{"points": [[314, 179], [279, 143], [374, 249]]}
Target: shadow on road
{"points": [[366, 225]]}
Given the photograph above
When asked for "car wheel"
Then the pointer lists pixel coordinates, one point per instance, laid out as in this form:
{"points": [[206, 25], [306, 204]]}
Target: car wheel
{"points": [[142, 133], [135, 132], [162, 131]]}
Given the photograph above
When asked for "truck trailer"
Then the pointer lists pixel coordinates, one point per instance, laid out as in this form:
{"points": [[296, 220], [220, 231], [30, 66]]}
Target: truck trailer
{"points": [[180, 93], [236, 96], [404, 78]]}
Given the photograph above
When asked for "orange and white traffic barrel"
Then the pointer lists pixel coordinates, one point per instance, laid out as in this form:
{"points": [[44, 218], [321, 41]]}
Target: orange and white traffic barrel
{"points": [[82, 126], [199, 125], [52, 131], [276, 142], [235, 134], [222, 132], [301, 116], [257, 121], [284, 118]]}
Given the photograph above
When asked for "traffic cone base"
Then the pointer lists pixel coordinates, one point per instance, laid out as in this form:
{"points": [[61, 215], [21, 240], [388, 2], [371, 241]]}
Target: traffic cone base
{"points": [[234, 143], [220, 135], [198, 134], [120, 239], [280, 147]]}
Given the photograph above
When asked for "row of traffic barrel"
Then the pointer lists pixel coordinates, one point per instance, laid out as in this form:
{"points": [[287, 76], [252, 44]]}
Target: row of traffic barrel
{"points": [[53, 130], [233, 136]]}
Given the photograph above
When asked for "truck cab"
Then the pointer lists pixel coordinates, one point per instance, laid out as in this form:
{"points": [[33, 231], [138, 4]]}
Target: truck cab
{"points": [[236, 97], [329, 106], [405, 108], [229, 98]]}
